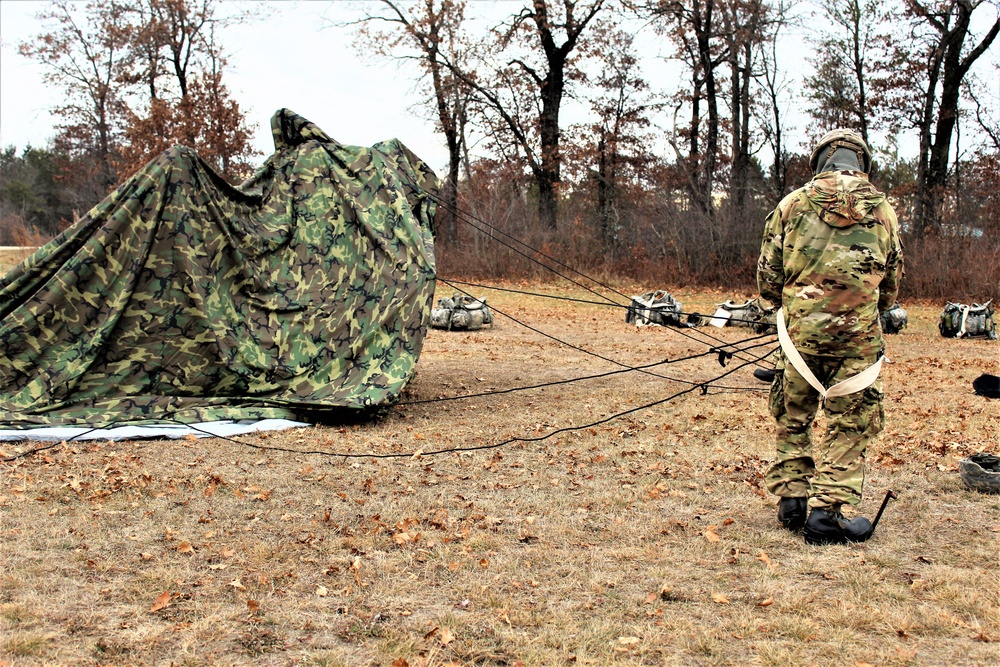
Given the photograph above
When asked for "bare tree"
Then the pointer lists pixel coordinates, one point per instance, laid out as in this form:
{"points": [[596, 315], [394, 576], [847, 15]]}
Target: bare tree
{"points": [[615, 152], [839, 89], [87, 54], [774, 86], [747, 26], [921, 87], [522, 98], [431, 33], [696, 30]]}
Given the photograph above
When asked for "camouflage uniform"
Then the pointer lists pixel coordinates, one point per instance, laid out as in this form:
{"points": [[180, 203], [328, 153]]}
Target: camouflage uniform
{"points": [[831, 257]]}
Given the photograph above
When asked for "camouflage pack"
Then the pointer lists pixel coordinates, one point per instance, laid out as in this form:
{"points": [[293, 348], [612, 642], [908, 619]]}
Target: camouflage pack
{"points": [[658, 308], [751, 313], [893, 320], [961, 321], [461, 312]]}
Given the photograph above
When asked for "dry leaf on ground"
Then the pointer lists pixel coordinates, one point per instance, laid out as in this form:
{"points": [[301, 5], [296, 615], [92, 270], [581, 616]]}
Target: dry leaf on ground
{"points": [[162, 600]]}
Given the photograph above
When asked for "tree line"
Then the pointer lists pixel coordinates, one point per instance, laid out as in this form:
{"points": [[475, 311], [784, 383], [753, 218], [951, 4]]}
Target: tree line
{"points": [[599, 192], [138, 76]]}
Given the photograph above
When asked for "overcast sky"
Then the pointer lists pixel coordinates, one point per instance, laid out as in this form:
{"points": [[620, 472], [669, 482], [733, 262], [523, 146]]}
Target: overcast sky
{"points": [[290, 60]]}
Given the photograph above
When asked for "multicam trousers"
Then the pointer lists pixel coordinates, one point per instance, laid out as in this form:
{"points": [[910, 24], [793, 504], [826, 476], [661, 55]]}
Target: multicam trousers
{"points": [[831, 472]]}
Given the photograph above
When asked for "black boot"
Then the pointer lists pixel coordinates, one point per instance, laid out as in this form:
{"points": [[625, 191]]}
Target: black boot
{"points": [[792, 512], [828, 526]]}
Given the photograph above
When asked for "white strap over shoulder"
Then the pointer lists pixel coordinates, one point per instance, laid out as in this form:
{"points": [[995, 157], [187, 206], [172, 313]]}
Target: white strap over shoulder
{"points": [[853, 384]]}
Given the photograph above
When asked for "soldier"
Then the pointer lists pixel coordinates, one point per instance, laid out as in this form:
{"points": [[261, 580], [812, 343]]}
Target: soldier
{"points": [[831, 259]]}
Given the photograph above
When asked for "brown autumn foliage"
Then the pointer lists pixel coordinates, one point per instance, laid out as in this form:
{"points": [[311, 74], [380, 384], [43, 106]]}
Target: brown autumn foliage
{"points": [[139, 76], [206, 119]]}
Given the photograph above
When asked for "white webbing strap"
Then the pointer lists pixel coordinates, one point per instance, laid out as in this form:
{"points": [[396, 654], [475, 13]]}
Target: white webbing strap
{"points": [[853, 384], [965, 316]]}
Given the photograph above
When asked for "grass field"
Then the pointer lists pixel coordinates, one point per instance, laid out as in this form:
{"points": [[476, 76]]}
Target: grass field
{"points": [[11, 256], [645, 540]]}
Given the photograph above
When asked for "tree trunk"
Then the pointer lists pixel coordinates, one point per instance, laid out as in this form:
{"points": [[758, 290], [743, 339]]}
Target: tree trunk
{"points": [[950, 67], [548, 121]]}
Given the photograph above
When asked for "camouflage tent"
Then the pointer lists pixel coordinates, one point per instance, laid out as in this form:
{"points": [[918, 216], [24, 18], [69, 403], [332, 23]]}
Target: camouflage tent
{"points": [[303, 293]]}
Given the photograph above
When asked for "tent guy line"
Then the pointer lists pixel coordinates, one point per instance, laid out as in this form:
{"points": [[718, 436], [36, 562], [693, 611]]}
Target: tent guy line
{"points": [[472, 220], [452, 281], [711, 350], [704, 386], [468, 218]]}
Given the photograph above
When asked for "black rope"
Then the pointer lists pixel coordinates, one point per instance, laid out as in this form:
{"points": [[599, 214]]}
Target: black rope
{"points": [[588, 301], [704, 386], [553, 383], [584, 350], [608, 300], [58, 442], [466, 217]]}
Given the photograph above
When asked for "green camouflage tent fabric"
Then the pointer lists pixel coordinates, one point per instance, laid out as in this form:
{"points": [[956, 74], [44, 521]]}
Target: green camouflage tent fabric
{"points": [[304, 293]]}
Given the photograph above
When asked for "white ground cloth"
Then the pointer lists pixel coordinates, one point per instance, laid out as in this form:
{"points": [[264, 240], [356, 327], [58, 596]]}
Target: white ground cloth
{"points": [[200, 430]]}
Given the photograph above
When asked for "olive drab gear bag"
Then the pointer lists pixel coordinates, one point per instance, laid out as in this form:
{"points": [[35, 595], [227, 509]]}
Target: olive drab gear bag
{"points": [[658, 308], [461, 312], [751, 313], [981, 472], [961, 321], [893, 320]]}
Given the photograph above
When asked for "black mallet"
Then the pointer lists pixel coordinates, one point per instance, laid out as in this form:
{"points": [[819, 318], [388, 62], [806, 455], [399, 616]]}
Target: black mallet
{"points": [[888, 494]]}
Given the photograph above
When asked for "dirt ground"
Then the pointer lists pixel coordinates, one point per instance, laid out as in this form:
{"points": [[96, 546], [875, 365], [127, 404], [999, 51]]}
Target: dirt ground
{"points": [[643, 540]]}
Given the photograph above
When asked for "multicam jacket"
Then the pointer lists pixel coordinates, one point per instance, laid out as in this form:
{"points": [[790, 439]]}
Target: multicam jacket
{"points": [[831, 257]]}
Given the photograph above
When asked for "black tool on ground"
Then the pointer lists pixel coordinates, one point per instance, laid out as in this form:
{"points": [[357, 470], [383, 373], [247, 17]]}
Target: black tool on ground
{"points": [[764, 374], [885, 501], [987, 385]]}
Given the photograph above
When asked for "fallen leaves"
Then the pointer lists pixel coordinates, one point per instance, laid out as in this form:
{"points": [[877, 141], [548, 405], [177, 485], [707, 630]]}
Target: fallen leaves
{"points": [[444, 635], [720, 598], [162, 600], [625, 644], [406, 537], [663, 593], [766, 560]]}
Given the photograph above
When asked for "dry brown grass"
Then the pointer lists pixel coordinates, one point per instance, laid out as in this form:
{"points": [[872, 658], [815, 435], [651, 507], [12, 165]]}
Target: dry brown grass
{"points": [[645, 540], [12, 256]]}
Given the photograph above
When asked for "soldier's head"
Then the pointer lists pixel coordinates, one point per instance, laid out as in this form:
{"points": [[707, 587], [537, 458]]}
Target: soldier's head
{"points": [[839, 150]]}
